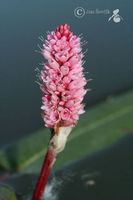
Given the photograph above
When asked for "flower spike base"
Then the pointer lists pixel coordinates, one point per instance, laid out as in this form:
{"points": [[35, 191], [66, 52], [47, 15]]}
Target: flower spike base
{"points": [[56, 145]]}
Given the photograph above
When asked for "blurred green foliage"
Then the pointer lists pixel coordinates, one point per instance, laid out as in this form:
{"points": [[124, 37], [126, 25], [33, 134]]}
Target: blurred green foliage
{"points": [[7, 193], [100, 126]]}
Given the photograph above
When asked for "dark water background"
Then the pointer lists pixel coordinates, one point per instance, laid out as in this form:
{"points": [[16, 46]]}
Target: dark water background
{"points": [[105, 174], [109, 58]]}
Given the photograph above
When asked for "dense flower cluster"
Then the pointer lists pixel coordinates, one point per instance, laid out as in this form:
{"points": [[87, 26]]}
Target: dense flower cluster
{"points": [[62, 78]]}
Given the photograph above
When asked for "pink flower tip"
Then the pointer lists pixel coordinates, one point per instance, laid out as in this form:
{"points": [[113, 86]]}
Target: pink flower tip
{"points": [[62, 78]]}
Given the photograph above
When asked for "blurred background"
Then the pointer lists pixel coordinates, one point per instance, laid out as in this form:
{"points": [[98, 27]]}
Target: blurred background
{"points": [[107, 27], [108, 59]]}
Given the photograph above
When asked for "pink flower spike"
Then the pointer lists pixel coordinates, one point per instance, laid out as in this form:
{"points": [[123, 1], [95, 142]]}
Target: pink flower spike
{"points": [[63, 73], [63, 90]]}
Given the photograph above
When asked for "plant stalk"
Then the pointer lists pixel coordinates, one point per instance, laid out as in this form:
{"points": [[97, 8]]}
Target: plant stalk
{"points": [[45, 172]]}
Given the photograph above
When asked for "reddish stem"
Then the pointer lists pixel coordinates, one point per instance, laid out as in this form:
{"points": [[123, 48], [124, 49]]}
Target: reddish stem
{"points": [[44, 174]]}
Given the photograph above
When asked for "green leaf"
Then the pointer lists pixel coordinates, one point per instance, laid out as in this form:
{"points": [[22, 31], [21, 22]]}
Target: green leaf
{"points": [[7, 193], [100, 126], [25, 151], [23, 185]]}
